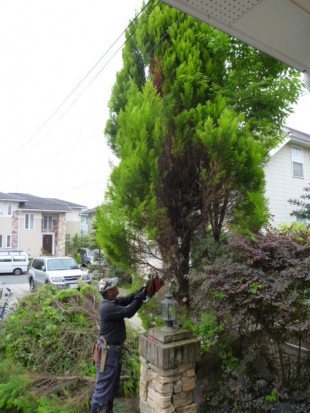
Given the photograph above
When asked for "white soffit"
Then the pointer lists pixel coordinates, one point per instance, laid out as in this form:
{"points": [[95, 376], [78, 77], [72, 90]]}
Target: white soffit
{"points": [[280, 28]]}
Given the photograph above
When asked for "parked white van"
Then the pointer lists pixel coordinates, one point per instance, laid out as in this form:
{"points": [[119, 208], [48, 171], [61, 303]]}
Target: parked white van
{"points": [[13, 261]]}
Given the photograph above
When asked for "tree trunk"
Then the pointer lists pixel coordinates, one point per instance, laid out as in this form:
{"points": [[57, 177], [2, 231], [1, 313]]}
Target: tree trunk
{"points": [[183, 298]]}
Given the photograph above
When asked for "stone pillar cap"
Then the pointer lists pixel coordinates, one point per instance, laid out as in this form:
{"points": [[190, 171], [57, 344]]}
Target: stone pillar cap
{"points": [[169, 336]]}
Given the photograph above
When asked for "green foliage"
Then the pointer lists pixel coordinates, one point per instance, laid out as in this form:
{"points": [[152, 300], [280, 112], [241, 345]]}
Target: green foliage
{"points": [[66, 295], [255, 287], [207, 328], [48, 339], [294, 227], [46, 333], [80, 241], [193, 114], [302, 204], [18, 393], [150, 314], [131, 364], [78, 258], [257, 291], [230, 363], [233, 174], [273, 397], [13, 395], [113, 237]]}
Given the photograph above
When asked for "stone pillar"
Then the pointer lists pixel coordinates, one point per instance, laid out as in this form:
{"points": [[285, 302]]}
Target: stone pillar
{"points": [[15, 230], [60, 232], [168, 379]]}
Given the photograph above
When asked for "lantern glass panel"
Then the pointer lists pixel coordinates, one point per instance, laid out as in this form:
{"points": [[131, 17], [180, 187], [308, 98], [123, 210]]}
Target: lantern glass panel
{"points": [[164, 311], [171, 312], [168, 308]]}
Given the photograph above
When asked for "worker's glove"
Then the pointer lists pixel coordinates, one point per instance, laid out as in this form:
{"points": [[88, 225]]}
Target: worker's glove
{"points": [[141, 294], [153, 286], [142, 289]]}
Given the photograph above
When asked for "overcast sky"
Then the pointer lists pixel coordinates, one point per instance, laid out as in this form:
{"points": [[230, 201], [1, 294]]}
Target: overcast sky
{"points": [[47, 47], [52, 140]]}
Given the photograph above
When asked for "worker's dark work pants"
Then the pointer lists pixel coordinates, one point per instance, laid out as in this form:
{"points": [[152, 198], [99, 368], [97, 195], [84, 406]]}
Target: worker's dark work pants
{"points": [[107, 383]]}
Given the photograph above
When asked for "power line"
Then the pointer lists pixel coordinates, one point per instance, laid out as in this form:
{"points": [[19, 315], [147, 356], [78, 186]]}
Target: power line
{"points": [[88, 85], [80, 83], [69, 148]]}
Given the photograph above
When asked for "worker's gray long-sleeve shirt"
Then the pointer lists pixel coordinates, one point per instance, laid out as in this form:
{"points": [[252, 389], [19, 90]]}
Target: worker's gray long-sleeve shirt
{"points": [[112, 314]]}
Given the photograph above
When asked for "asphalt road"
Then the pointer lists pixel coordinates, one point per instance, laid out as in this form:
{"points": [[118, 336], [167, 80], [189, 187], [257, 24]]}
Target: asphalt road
{"points": [[18, 284]]}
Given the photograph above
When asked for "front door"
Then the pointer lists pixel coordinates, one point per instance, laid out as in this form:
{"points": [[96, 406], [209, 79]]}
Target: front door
{"points": [[48, 244]]}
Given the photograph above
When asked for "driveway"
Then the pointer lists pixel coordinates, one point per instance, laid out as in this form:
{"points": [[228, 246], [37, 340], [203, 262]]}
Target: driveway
{"points": [[18, 284]]}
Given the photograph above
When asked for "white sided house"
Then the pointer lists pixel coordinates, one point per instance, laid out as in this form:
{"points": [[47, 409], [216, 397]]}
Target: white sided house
{"points": [[287, 173], [87, 220], [37, 225]]}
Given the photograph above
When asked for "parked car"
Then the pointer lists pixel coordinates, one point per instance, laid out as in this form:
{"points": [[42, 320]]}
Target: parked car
{"points": [[90, 257], [13, 261], [62, 272]]}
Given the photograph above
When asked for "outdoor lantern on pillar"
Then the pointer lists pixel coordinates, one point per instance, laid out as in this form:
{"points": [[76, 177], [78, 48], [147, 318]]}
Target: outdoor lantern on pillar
{"points": [[168, 312]]}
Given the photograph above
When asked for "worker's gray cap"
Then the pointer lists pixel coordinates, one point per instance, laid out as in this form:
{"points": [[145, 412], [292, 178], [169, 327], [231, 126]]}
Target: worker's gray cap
{"points": [[107, 284]]}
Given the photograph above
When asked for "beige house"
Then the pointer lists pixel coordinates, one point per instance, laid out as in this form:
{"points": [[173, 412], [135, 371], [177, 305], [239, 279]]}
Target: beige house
{"points": [[37, 225]]}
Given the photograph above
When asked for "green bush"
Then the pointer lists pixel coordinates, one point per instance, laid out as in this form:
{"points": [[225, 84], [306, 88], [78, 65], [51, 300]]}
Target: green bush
{"points": [[46, 352], [19, 393], [48, 333], [131, 364], [252, 302], [78, 258], [150, 313], [15, 395]]}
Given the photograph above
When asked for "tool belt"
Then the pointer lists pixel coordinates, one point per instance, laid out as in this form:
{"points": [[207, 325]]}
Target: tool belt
{"points": [[117, 349], [100, 350]]}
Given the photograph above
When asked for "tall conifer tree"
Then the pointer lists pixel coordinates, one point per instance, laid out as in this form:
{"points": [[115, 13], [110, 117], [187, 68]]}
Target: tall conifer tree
{"points": [[193, 114]]}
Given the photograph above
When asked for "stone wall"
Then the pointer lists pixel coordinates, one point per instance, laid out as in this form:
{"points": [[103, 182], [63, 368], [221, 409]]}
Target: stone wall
{"points": [[60, 232], [15, 229], [168, 378]]}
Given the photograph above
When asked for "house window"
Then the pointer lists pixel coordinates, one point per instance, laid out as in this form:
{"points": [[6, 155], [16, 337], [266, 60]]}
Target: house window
{"points": [[68, 239], [29, 221], [297, 162], [8, 241], [47, 223], [5, 208]]}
